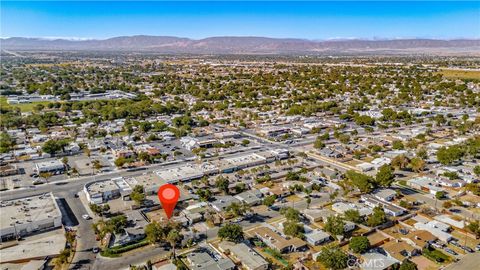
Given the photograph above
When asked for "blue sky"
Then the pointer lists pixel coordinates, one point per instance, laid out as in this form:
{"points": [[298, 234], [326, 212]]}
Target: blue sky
{"points": [[309, 20]]}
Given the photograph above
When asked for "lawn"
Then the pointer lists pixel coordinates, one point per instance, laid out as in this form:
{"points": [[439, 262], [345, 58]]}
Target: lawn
{"points": [[434, 254], [117, 251], [461, 74], [26, 107], [277, 255]]}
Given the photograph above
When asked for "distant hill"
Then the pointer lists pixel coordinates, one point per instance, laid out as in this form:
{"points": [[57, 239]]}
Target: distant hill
{"points": [[243, 45]]}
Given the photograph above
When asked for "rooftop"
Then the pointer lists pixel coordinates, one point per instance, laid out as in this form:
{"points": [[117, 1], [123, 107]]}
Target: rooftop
{"points": [[103, 186], [29, 209], [244, 254], [180, 173]]}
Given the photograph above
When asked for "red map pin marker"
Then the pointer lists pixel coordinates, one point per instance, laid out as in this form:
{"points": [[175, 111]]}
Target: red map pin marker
{"points": [[168, 195]]}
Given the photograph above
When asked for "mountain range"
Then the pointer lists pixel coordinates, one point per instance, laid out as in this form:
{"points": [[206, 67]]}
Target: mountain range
{"points": [[243, 45]]}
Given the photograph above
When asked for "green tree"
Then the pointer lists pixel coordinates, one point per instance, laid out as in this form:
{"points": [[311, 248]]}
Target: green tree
{"points": [[353, 215], [231, 232], [377, 218], [144, 156], [99, 209], [449, 155], [333, 258], [6, 142], [363, 182], [422, 153], [474, 227], [51, 147], [204, 194], [154, 232], [290, 214], [173, 237], [269, 200], [319, 143], [440, 195], [359, 244], [138, 194], [222, 184], [119, 162], [417, 164], [335, 225], [97, 165], [293, 228], [398, 145], [476, 170], [407, 265], [385, 176], [236, 209], [46, 175], [400, 162]]}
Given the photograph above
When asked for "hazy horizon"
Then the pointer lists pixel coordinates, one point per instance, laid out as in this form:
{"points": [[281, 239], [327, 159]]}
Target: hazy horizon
{"points": [[197, 20]]}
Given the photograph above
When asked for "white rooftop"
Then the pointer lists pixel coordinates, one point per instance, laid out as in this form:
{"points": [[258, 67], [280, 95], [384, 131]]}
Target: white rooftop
{"points": [[27, 210]]}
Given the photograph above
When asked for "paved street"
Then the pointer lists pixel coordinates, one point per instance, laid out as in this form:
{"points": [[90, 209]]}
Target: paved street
{"points": [[469, 261]]}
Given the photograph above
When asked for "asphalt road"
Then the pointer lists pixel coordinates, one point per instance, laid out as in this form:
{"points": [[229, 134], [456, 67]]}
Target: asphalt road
{"points": [[469, 261], [436, 204], [84, 256]]}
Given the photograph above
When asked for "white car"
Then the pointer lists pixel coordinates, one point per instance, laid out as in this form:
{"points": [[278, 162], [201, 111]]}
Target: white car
{"points": [[86, 217]]}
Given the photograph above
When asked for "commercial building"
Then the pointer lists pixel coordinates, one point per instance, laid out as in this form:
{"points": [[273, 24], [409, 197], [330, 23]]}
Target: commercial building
{"points": [[29, 215], [236, 163], [52, 166], [273, 131], [9, 169], [102, 191], [182, 173]]}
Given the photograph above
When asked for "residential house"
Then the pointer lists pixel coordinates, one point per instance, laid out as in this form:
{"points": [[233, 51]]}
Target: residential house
{"points": [[385, 194], [419, 238], [389, 208], [315, 237], [400, 250], [250, 197], [222, 202], [276, 241], [201, 259], [244, 255]]}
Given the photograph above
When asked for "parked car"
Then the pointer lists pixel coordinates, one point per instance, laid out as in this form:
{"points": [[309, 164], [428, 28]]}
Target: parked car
{"points": [[95, 250], [468, 249], [455, 243], [86, 217], [477, 248], [451, 251]]}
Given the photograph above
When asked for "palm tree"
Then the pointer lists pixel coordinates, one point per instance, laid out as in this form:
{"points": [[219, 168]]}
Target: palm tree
{"points": [[173, 237], [96, 165]]}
